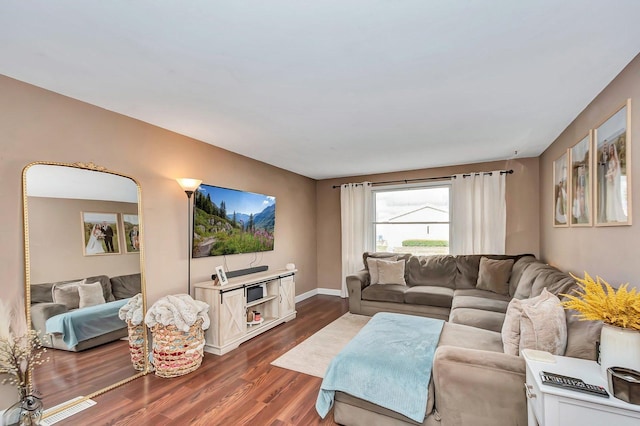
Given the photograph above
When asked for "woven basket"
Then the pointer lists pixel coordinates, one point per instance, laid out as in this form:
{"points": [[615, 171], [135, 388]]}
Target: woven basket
{"points": [[136, 345], [176, 352]]}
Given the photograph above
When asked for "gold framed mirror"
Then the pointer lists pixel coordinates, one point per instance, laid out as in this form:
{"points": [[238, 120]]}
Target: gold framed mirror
{"points": [[84, 260]]}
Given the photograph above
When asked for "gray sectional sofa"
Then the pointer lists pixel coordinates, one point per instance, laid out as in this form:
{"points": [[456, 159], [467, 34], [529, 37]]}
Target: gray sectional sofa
{"points": [[43, 308], [473, 381]]}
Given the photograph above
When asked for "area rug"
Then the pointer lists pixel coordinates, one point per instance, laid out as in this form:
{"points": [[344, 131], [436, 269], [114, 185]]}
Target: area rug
{"points": [[313, 355]]}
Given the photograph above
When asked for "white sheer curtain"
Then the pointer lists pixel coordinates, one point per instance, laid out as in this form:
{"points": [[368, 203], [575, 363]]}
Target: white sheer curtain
{"points": [[479, 214], [355, 208]]}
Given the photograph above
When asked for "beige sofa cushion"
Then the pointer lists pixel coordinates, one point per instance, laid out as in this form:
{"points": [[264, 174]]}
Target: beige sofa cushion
{"points": [[429, 295], [523, 290], [463, 336], [386, 255], [477, 318], [486, 304], [474, 292], [493, 275]]}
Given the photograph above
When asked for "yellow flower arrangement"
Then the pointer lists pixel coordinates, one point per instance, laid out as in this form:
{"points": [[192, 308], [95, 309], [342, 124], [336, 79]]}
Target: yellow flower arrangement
{"points": [[597, 300]]}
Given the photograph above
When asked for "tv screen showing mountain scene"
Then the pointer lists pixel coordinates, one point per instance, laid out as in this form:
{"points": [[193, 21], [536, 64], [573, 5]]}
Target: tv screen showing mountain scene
{"points": [[228, 221]]}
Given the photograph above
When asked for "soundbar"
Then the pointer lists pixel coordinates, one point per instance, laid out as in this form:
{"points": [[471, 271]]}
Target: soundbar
{"points": [[240, 272]]}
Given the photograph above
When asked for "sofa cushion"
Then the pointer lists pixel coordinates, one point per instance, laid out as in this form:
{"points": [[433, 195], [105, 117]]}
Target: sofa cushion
{"points": [[464, 336], [90, 294], [372, 266], [478, 318], [518, 269], [439, 270], [475, 292], [523, 290], [385, 293], [41, 293], [429, 295], [486, 304], [556, 282], [125, 286], [493, 275], [581, 335], [390, 272]]}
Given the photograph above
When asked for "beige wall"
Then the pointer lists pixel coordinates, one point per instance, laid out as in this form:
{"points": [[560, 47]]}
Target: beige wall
{"points": [[611, 252], [56, 243], [38, 125], [522, 210]]}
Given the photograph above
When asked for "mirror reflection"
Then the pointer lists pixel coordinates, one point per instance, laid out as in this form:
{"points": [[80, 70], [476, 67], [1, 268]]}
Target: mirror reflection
{"points": [[83, 265]]}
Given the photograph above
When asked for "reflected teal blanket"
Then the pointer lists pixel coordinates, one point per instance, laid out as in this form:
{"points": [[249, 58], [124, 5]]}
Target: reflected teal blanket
{"points": [[85, 323], [387, 363]]}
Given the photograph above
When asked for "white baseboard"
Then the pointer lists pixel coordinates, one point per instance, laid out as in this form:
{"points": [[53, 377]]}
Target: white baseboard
{"points": [[311, 293]]}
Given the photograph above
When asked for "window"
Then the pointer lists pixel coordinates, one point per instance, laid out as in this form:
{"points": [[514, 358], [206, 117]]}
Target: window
{"points": [[411, 219]]}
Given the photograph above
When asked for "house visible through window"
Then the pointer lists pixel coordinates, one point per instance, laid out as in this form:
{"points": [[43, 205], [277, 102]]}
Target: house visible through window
{"points": [[411, 219]]}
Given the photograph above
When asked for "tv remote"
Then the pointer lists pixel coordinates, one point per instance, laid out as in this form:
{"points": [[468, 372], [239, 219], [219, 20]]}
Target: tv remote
{"points": [[572, 383]]}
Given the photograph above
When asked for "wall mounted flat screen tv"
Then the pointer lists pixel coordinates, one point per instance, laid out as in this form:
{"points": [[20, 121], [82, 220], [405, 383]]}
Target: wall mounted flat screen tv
{"points": [[228, 221]]}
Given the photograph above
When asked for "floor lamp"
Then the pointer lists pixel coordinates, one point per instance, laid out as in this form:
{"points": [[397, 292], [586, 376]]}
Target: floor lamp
{"points": [[189, 186]]}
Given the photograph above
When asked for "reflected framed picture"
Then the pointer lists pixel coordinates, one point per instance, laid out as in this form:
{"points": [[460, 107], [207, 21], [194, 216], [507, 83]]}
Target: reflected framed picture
{"points": [[131, 229], [560, 195], [612, 169], [100, 233], [580, 183]]}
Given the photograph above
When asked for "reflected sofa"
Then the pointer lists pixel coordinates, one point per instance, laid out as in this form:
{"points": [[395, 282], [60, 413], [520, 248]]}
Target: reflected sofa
{"points": [[474, 382], [43, 308]]}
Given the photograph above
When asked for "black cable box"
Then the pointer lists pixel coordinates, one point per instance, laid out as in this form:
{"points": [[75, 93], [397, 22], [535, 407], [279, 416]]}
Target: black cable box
{"points": [[240, 272]]}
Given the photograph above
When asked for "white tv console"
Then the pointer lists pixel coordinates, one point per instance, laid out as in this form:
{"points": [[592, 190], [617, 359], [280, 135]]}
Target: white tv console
{"points": [[228, 307]]}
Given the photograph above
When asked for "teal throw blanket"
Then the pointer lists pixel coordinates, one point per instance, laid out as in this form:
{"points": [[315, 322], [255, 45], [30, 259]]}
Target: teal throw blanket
{"points": [[83, 324], [387, 363]]}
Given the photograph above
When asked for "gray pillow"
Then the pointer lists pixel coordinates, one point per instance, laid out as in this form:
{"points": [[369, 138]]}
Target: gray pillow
{"points": [[90, 294], [494, 275], [67, 294]]}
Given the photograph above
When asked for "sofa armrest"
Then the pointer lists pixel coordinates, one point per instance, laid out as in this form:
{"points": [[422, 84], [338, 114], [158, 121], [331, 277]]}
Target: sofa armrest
{"points": [[479, 387], [355, 284], [41, 312]]}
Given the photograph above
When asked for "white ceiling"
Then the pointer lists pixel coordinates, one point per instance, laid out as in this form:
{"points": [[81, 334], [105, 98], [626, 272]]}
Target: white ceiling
{"points": [[335, 87]]}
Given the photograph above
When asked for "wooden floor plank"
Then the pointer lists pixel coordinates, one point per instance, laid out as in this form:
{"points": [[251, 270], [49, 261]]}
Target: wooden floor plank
{"points": [[238, 388]]}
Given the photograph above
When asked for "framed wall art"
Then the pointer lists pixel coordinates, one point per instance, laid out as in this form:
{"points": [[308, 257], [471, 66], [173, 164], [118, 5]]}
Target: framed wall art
{"points": [[100, 233], [131, 229], [560, 194], [580, 183], [612, 167]]}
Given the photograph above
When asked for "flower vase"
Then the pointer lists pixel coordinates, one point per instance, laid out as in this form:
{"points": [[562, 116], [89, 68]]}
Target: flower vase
{"points": [[619, 347], [26, 412]]}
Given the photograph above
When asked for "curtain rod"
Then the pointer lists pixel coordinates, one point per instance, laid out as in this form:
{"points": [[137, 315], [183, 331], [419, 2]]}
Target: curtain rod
{"points": [[388, 182]]}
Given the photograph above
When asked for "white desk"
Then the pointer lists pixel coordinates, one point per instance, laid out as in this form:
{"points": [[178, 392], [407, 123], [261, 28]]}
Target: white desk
{"points": [[553, 406]]}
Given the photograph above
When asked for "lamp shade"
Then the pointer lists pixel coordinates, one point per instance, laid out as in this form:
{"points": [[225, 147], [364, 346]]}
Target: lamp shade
{"points": [[189, 184]]}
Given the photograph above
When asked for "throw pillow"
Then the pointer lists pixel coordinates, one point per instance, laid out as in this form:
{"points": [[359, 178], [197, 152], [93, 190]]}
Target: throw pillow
{"points": [[494, 275], [391, 272], [536, 323], [543, 325], [66, 294], [372, 265], [90, 294], [511, 327]]}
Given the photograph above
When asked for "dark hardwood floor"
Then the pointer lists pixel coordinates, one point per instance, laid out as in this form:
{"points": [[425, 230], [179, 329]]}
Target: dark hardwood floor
{"points": [[238, 388]]}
